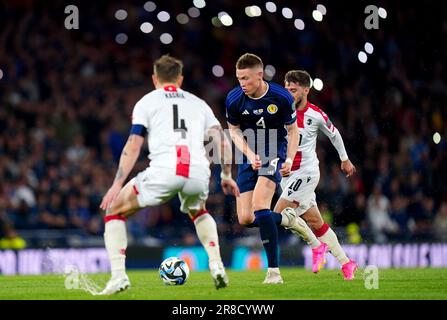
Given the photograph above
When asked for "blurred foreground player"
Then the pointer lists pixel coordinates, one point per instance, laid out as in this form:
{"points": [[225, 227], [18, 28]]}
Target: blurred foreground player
{"points": [[299, 187], [177, 123]]}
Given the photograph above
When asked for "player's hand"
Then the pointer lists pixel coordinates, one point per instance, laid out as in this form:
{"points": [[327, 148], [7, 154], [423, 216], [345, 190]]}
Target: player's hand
{"points": [[348, 168], [285, 170], [229, 186], [110, 196], [256, 163]]}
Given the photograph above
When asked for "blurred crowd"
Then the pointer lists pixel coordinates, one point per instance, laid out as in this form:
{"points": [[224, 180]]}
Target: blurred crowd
{"points": [[66, 97]]}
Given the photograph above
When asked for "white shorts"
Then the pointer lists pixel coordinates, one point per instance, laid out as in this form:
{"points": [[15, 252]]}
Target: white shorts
{"points": [[300, 189], [155, 186]]}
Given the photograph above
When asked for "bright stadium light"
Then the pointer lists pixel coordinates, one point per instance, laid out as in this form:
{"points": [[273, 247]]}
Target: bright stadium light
{"points": [[218, 71], [121, 38], [225, 19], [437, 138], [166, 38], [193, 12], [317, 15], [121, 14], [216, 22], [150, 6], [146, 27], [269, 72], [199, 4], [322, 9], [299, 24], [363, 57], [318, 84], [287, 13], [163, 16], [369, 48], [182, 18], [270, 7], [253, 11], [382, 13]]}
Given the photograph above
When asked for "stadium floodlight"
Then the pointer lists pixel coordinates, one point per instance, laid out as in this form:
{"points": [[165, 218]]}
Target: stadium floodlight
{"points": [[317, 15], [146, 27], [216, 22], [382, 13], [322, 9], [121, 38], [182, 18], [225, 19], [163, 16], [150, 6], [287, 13], [269, 72], [270, 7], [363, 57], [299, 24], [369, 48], [121, 14], [166, 38], [193, 12], [253, 11], [218, 71], [437, 138], [318, 84], [199, 4]]}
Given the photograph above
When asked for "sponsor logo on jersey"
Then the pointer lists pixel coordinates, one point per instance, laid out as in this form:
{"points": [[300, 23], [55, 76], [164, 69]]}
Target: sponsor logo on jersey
{"points": [[258, 111], [272, 109], [245, 112]]}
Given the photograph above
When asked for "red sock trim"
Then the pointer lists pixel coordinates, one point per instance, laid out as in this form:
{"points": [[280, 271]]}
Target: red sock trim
{"points": [[199, 214], [320, 232], [114, 217]]}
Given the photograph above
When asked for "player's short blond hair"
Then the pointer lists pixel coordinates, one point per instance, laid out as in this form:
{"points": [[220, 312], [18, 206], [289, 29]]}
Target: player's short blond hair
{"points": [[249, 61], [168, 69], [300, 77]]}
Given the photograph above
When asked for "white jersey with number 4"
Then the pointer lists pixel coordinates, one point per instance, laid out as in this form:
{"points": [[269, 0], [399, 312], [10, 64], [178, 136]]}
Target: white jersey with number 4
{"points": [[177, 123]]}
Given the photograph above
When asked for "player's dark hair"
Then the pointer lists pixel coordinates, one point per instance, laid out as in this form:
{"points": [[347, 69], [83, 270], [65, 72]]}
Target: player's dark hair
{"points": [[248, 61], [168, 69], [298, 76]]}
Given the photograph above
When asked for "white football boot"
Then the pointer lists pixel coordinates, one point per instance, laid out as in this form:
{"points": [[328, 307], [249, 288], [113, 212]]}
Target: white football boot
{"points": [[295, 224], [116, 285], [273, 276], [218, 274]]}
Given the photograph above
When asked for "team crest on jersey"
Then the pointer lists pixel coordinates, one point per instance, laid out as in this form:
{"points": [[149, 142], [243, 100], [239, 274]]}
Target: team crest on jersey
{"points": [[309, 122], [272, 109], [258, 111]]}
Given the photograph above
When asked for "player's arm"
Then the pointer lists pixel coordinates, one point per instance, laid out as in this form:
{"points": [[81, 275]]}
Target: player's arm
{"points": [[242, 145], [337, 141], [128, 158], [292, 148], [225, 154]]}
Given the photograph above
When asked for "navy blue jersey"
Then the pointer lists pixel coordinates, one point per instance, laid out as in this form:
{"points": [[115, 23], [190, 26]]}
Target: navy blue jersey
{"points": [[266, 116]]}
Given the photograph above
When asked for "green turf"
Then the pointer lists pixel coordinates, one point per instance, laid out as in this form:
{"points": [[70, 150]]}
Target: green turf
{"points": [[299, 284]]}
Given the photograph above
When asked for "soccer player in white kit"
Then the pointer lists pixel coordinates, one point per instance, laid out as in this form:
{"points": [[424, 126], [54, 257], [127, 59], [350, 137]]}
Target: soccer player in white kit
{"points": [[177, 124], [299, 187]]}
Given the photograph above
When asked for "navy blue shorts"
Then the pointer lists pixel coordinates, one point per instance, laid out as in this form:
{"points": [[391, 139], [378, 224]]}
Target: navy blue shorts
{"points": [[247, 177]]}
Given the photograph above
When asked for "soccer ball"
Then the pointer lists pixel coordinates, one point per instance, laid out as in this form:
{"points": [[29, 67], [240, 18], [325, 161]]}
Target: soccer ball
{"points": [[174, 271]]}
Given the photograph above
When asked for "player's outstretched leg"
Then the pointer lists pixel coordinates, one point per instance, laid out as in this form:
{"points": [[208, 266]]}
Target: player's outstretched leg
{"points": [[206, 229], [299, 227], [327, 235]]}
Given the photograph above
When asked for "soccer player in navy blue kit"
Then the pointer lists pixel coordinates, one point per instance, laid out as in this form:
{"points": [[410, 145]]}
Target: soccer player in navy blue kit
{"points": [[262, 121]]}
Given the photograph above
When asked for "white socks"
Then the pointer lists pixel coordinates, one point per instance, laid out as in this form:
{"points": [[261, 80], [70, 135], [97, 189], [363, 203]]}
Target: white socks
{"points": [[115, 238], [206, 229], [330, 238]]}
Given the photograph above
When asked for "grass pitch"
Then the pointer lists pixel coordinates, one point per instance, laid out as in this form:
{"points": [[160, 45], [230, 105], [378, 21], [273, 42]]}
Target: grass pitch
{"points": [[396, 284]]}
